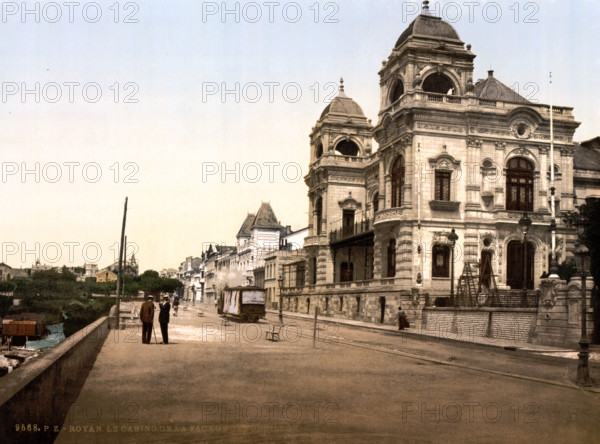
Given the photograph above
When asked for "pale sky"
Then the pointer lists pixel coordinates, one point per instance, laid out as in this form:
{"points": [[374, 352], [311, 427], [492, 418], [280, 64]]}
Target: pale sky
{"points": [[173, 64]]}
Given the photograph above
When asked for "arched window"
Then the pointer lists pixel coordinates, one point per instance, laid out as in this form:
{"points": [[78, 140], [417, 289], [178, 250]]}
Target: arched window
{"points": [[519, 185], [397, 182], [397, 91], [438, 83], [347, 148], [391, 258], [375, 203], [319, 151], [319, 214]]}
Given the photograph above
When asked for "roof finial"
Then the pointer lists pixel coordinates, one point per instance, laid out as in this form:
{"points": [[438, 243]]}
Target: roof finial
{"points": [[425, 10], [341, 84]]}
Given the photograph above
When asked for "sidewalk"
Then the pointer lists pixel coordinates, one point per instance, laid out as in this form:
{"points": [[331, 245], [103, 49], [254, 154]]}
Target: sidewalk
{"points": [[436, 335]]}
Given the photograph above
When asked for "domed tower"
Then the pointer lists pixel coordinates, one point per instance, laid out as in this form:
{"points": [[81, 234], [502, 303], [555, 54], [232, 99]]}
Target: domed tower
{"points": [[429, 56], [341, 144], [342, 130]]}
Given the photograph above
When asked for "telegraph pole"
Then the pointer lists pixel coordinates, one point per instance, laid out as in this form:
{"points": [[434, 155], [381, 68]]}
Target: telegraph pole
{"points": [[121, 266]]}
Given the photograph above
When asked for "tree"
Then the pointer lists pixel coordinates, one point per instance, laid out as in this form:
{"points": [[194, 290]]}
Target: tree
{"points": [[591, 238]]}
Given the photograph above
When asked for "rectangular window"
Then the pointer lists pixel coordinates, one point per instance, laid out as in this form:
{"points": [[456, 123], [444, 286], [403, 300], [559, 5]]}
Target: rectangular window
{"points": [[348, 222], [442, 185], [441, 261]]}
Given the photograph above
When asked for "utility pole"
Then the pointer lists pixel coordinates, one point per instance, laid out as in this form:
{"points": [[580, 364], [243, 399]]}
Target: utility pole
{"points": [[119, 276]]}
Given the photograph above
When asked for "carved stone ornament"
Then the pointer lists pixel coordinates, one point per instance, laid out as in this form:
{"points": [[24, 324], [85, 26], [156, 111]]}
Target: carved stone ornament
{"points": [[566, 151], [350, 203], [522, 129], [415, 296], [472, 142], [440, 237], [444, 161], [548, 292]]}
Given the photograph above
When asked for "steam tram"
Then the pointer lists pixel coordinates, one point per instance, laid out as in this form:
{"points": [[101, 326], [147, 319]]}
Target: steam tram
{"points": [[243, 303]]}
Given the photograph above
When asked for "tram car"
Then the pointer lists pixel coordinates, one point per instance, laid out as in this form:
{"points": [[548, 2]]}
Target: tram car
{"points": [[243, 303]]}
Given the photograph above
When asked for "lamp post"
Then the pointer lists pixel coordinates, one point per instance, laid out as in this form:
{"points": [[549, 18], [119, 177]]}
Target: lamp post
{"points": [[524, 224], [280, 282], [452, 237], [582, 255]]}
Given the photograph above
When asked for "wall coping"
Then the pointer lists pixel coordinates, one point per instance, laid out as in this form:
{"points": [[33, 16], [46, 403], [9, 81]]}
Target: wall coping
{"points": [[21, 377], [482, 309]]}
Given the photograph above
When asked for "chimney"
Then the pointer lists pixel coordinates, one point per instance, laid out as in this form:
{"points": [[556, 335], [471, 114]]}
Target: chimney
{"points": [[491, 73]]}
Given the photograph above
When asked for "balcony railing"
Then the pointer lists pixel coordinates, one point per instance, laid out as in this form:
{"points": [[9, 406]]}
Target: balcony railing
{"points": [[352, 230]]}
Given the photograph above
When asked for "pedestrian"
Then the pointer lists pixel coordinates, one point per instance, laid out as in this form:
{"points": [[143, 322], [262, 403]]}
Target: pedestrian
{"points": [[176, 306], [163, 318], [147, 318], [402, 321]]}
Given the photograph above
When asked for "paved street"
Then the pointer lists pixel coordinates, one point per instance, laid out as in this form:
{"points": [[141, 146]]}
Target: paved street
{"points": [[216, 383]]}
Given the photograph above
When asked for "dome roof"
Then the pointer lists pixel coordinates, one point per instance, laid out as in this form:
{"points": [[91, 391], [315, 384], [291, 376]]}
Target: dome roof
{"points": [[428, 26], [342, 104]]}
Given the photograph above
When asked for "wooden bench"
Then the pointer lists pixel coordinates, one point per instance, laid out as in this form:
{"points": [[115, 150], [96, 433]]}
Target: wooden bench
{"points": [[273, 333]]}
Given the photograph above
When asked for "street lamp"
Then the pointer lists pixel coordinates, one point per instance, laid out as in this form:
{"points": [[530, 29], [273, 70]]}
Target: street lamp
{"points": [[280, 282], [452, 237], [553, 270], [524, 224], [582, 256]]}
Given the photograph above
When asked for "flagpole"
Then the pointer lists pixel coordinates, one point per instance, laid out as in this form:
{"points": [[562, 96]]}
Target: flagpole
{"points": [[553, 271]]}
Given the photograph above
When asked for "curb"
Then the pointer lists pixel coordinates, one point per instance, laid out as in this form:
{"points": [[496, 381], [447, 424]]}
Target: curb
{"points": [[423, 336]]}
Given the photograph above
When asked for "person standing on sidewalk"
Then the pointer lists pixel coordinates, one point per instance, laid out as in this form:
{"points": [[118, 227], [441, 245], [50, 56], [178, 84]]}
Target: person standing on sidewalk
{"points": [[163, 318], [147, 318], [402, 321], [176, 305]]}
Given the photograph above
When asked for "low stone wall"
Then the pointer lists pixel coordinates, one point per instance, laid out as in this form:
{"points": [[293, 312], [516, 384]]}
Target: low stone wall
{"points": [[35, 398], [514, 324], [343, 304], [559, 317]]}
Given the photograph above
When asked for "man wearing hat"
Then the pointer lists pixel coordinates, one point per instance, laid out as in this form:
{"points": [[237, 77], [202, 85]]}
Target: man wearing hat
{"points": [[163, 318], [147, 318]]}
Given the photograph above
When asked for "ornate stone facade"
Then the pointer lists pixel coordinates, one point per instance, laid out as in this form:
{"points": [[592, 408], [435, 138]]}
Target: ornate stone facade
{"points": [[452, 155]]}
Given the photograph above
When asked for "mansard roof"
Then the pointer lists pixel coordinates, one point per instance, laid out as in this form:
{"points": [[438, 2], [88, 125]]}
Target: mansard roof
{"points": [[493, 89], [587, 155], [245, 228], [265, 218]]}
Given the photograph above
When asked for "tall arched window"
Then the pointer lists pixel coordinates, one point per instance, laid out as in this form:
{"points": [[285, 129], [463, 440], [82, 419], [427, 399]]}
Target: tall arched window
{"points": [[319, 214], [397, 91], [519, 185], [397, 182], [375, 203]]}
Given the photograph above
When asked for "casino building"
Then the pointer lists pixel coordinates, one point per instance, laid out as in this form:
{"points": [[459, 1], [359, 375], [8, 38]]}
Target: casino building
{"points": [[454, 154]]}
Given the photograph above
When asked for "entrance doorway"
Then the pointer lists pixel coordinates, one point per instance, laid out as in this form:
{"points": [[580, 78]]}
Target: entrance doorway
{"points": [[514, 265], [382, 309]]}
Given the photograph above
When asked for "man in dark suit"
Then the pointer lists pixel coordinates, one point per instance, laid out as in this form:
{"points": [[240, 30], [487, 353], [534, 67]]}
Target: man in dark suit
{"points": [[163, 318], [147, 318]]}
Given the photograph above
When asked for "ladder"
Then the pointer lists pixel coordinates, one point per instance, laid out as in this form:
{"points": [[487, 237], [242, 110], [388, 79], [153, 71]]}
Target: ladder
{"points": [[493, 297], [466, 286]]}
